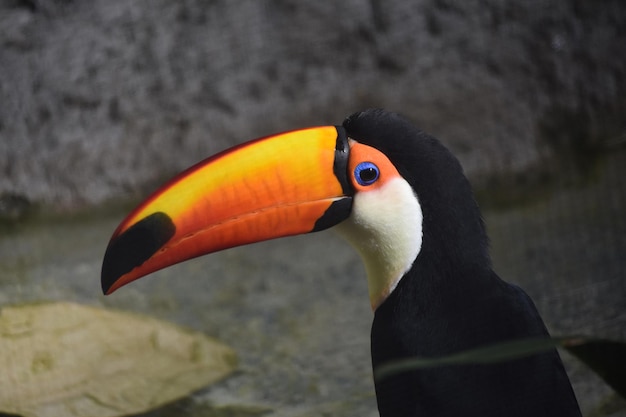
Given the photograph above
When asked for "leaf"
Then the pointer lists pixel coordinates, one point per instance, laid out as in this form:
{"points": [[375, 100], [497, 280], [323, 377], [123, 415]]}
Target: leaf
{"points": [[484, 355], [64, 359], [607, 358]]}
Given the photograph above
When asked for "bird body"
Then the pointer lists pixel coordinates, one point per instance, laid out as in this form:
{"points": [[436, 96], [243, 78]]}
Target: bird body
{"points": [[401, 198], [450, 300], [466, 318]]}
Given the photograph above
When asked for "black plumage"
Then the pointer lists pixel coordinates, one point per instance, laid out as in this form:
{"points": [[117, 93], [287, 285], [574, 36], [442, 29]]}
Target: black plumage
{"points": [[451, 300]]}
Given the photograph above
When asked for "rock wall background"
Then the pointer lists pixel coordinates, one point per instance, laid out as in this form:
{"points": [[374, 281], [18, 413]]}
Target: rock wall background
{"points": [[104, 98]]}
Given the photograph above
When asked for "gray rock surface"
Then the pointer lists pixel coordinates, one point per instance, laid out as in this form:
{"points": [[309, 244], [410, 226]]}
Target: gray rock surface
{"points": [[105, 98]]}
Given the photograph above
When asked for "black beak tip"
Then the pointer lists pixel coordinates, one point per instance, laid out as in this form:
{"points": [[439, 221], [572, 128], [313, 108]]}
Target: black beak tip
{"points": [[135, 246]]}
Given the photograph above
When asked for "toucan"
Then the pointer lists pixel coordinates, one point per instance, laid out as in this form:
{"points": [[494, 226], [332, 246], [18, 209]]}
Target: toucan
{"points": [[402, 200]]}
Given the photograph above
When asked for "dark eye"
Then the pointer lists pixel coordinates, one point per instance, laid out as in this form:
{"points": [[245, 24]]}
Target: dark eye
{"points": [[366, 173]]}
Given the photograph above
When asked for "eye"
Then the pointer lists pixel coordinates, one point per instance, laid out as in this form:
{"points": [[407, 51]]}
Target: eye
{"points": [[366, 173]]}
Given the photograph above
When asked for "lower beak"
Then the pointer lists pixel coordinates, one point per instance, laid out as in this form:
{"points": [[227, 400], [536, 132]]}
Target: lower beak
{"points": [[282, 185]]}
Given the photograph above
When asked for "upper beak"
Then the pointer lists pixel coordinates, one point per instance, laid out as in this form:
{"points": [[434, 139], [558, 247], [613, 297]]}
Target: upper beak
{"points": [[282, 185]]}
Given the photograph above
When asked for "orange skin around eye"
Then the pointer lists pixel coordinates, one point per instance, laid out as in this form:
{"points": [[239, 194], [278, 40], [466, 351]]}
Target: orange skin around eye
{"points": [[363, 153]]}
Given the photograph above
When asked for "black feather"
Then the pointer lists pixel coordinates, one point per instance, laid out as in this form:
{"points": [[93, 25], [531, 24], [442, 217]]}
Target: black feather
{"points": [[451, 300]]}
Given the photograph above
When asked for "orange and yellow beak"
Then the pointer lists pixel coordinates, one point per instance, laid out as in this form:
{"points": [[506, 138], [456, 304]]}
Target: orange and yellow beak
{"points": [[288, 184]]}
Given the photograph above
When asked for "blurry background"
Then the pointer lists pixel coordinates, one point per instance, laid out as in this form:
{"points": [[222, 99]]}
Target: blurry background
{"points": [[102, 100]]}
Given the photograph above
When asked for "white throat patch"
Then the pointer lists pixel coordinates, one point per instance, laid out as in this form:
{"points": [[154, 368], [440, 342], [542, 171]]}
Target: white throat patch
{"points": [[385, 227]]}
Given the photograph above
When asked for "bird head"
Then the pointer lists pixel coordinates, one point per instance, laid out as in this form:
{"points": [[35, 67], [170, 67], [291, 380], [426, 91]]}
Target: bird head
{"points": [[359, 178]]}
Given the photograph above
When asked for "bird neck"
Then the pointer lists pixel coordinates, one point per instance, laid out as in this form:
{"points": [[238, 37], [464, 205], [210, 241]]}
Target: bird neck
{"points": [[453, 267], [385, 227]]}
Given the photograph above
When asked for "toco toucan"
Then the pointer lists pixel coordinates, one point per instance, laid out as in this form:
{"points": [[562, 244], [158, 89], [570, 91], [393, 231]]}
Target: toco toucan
{"points": [[402, 200]]}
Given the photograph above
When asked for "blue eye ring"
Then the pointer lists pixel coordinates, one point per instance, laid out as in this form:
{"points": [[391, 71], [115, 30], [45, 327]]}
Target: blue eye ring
{"points": [[366, 173]]}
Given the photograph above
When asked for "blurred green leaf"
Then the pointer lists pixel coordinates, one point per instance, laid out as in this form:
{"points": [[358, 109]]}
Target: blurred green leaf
{"points": [[607, 358], [64, 359]]}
